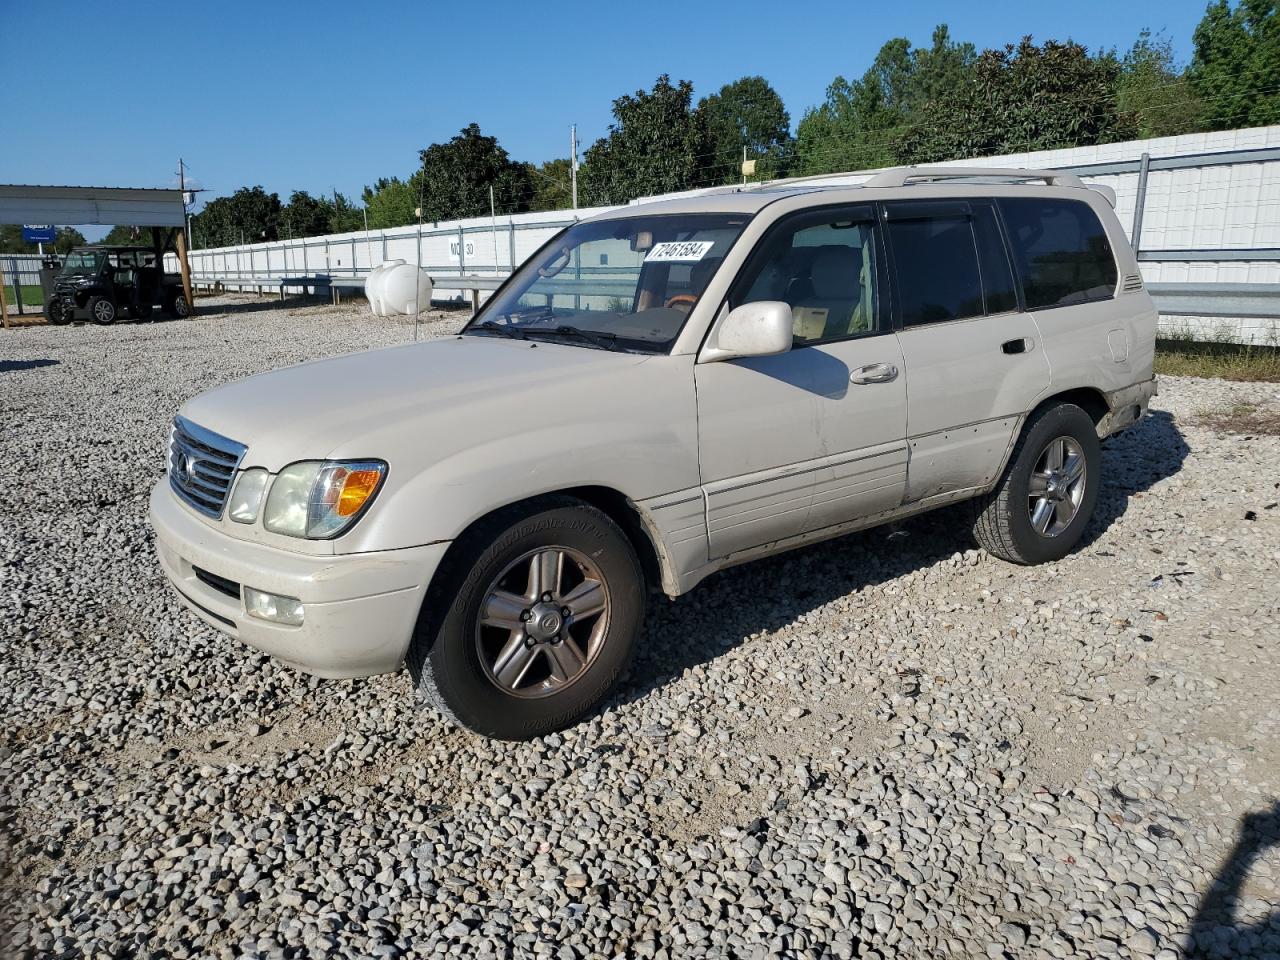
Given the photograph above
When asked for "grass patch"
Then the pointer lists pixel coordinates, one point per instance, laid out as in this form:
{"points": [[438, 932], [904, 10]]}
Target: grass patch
{"points": [[32, 297], [1244, 418], [1177, 355]]}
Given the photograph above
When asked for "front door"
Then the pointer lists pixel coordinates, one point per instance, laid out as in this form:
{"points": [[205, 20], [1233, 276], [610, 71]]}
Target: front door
{"points": [[815, 436]]}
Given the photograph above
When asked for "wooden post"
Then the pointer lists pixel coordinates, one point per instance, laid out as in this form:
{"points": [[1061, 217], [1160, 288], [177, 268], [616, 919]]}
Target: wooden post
{"points": [[4, 305], [185, 267]]}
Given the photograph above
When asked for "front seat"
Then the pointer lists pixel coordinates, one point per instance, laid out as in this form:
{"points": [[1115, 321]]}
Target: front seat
{"points": [[835, 278]]}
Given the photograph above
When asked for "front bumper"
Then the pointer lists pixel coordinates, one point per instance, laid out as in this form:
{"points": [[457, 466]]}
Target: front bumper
{"points": [[359, 609]]}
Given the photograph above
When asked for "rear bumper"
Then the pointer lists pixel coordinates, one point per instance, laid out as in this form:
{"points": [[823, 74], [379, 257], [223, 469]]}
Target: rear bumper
{"points": [[1126, 406], [359, 610]]}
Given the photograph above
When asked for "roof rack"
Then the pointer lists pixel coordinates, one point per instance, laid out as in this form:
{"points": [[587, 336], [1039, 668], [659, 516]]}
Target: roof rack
{"points": [[901, 176]]}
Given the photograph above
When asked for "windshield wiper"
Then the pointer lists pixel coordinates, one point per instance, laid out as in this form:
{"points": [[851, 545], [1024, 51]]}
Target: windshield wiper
{"points": [[505, 330], [605, 341]]}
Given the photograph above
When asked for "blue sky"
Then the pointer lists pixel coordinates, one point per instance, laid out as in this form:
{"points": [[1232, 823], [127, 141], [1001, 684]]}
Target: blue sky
{"points": [[327, 95]]}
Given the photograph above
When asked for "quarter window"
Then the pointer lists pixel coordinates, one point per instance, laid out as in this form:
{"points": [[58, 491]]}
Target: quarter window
{"points": [[1062, 252]]}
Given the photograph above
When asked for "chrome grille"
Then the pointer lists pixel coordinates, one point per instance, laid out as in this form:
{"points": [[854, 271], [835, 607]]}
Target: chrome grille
{"points": [[202, 465]]}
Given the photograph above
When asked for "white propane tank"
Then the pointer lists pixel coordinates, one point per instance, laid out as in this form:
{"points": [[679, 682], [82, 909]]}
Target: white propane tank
{"points": [[373, 287], [402, 286]]}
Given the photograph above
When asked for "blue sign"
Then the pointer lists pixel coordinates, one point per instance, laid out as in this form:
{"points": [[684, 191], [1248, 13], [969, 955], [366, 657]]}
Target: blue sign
{"points": [[39, 233]]}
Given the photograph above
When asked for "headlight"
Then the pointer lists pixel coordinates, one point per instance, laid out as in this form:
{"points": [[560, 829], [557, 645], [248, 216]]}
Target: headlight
{"points": [[319, 499], [246, 498]]}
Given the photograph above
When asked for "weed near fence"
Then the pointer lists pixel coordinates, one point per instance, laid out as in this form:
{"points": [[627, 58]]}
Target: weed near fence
{"points": [[1177, 354]]}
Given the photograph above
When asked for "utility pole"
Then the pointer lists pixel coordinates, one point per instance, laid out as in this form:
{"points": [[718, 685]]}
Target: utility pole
{"points": [[182, 185], [744, 164], [573, 162]]}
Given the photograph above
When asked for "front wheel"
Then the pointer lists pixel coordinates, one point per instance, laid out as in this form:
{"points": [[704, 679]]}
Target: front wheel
{"points": [[531, 621], [102, 311], [1045, 499], [57, 312]]}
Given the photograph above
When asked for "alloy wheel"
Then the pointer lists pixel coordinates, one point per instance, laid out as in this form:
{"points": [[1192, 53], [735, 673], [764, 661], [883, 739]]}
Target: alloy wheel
{"points": [[542, 622], [1056, 487]]}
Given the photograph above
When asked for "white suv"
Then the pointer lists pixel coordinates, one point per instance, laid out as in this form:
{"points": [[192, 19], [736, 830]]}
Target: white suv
{"points": [[658, 393]]}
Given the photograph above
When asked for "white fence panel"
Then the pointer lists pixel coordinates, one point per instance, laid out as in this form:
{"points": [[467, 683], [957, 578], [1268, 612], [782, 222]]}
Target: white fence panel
{"points": [[1199, 207]]}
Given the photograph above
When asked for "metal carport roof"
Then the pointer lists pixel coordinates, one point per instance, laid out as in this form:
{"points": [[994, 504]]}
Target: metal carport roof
{"points": [[114, 206], [127, 206]]}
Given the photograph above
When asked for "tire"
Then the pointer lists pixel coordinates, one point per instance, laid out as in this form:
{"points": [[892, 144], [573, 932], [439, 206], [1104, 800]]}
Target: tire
{"points": [[1005, 520], [56, 312], [102, 311], [177, 307], [508, 676]]}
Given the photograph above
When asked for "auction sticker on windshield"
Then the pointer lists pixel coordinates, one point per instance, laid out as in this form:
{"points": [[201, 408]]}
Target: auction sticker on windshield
{"points": [[683, 251]]}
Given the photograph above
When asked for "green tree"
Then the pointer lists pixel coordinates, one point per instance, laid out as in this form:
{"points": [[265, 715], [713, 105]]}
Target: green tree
{"points": [[11, 240], [657, 144], [250, 215], [746, 113], [552, 185], [861, 122], [1020, 98], [305, 215], [128, 236], [344, 215], [853, 129], [1235, 66], [456, 177], [1155, 91], [390, 202]]}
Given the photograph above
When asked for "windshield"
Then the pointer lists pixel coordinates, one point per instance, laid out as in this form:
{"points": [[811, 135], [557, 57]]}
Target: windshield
{"points": [[82, 262], [624, 284]]}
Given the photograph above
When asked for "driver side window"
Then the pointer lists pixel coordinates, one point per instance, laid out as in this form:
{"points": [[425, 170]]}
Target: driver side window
{"points": [[823, 264]]}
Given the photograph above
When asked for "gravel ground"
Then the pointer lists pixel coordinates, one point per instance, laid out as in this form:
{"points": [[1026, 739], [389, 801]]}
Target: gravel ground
{"points": [[886, 746]]}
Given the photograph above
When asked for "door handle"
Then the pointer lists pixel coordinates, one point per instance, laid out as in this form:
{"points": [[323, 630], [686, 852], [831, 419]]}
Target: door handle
{"points": [[874, 373], [1021, 345]]}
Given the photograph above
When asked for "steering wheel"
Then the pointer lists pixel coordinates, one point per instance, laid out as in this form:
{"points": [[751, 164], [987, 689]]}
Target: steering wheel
{"points": [[680, 298]]}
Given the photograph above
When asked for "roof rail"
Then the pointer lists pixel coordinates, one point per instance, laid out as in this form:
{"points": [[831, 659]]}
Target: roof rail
{"points": [[901, 176]]}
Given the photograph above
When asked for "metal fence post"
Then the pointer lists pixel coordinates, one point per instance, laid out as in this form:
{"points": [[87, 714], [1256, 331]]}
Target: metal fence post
{"points": [[1140, 202], [17, 285], [511, 243], [462, 253]]}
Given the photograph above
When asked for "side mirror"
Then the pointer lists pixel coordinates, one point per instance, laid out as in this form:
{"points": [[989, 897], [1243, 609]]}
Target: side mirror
{"points": [[760, 329]]}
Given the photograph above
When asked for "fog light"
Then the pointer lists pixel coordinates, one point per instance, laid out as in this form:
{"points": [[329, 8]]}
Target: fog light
{"points": [[269, 606]]}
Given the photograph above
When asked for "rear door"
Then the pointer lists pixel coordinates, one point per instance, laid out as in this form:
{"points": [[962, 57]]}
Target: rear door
{"points": [[974, 360]]}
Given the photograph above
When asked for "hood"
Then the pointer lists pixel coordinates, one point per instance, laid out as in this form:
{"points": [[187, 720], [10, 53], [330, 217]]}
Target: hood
{"points": [[340, 406]]}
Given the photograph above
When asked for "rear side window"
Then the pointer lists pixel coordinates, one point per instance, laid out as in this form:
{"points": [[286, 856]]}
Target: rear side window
{"points": [[935, 258], [1060, 249]]}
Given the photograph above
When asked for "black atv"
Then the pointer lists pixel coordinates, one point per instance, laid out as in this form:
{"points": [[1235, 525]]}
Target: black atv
{"points": [[100, 283]]}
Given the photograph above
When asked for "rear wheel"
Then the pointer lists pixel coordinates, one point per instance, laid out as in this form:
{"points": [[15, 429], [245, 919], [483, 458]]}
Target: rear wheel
{"points": [[102, 311], [1045, 499], [531, 621], [177, 307]]}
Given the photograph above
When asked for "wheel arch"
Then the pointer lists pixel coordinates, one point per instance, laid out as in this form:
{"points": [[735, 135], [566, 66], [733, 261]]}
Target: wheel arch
{"points": [[1089, 399], [621, 509]]}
